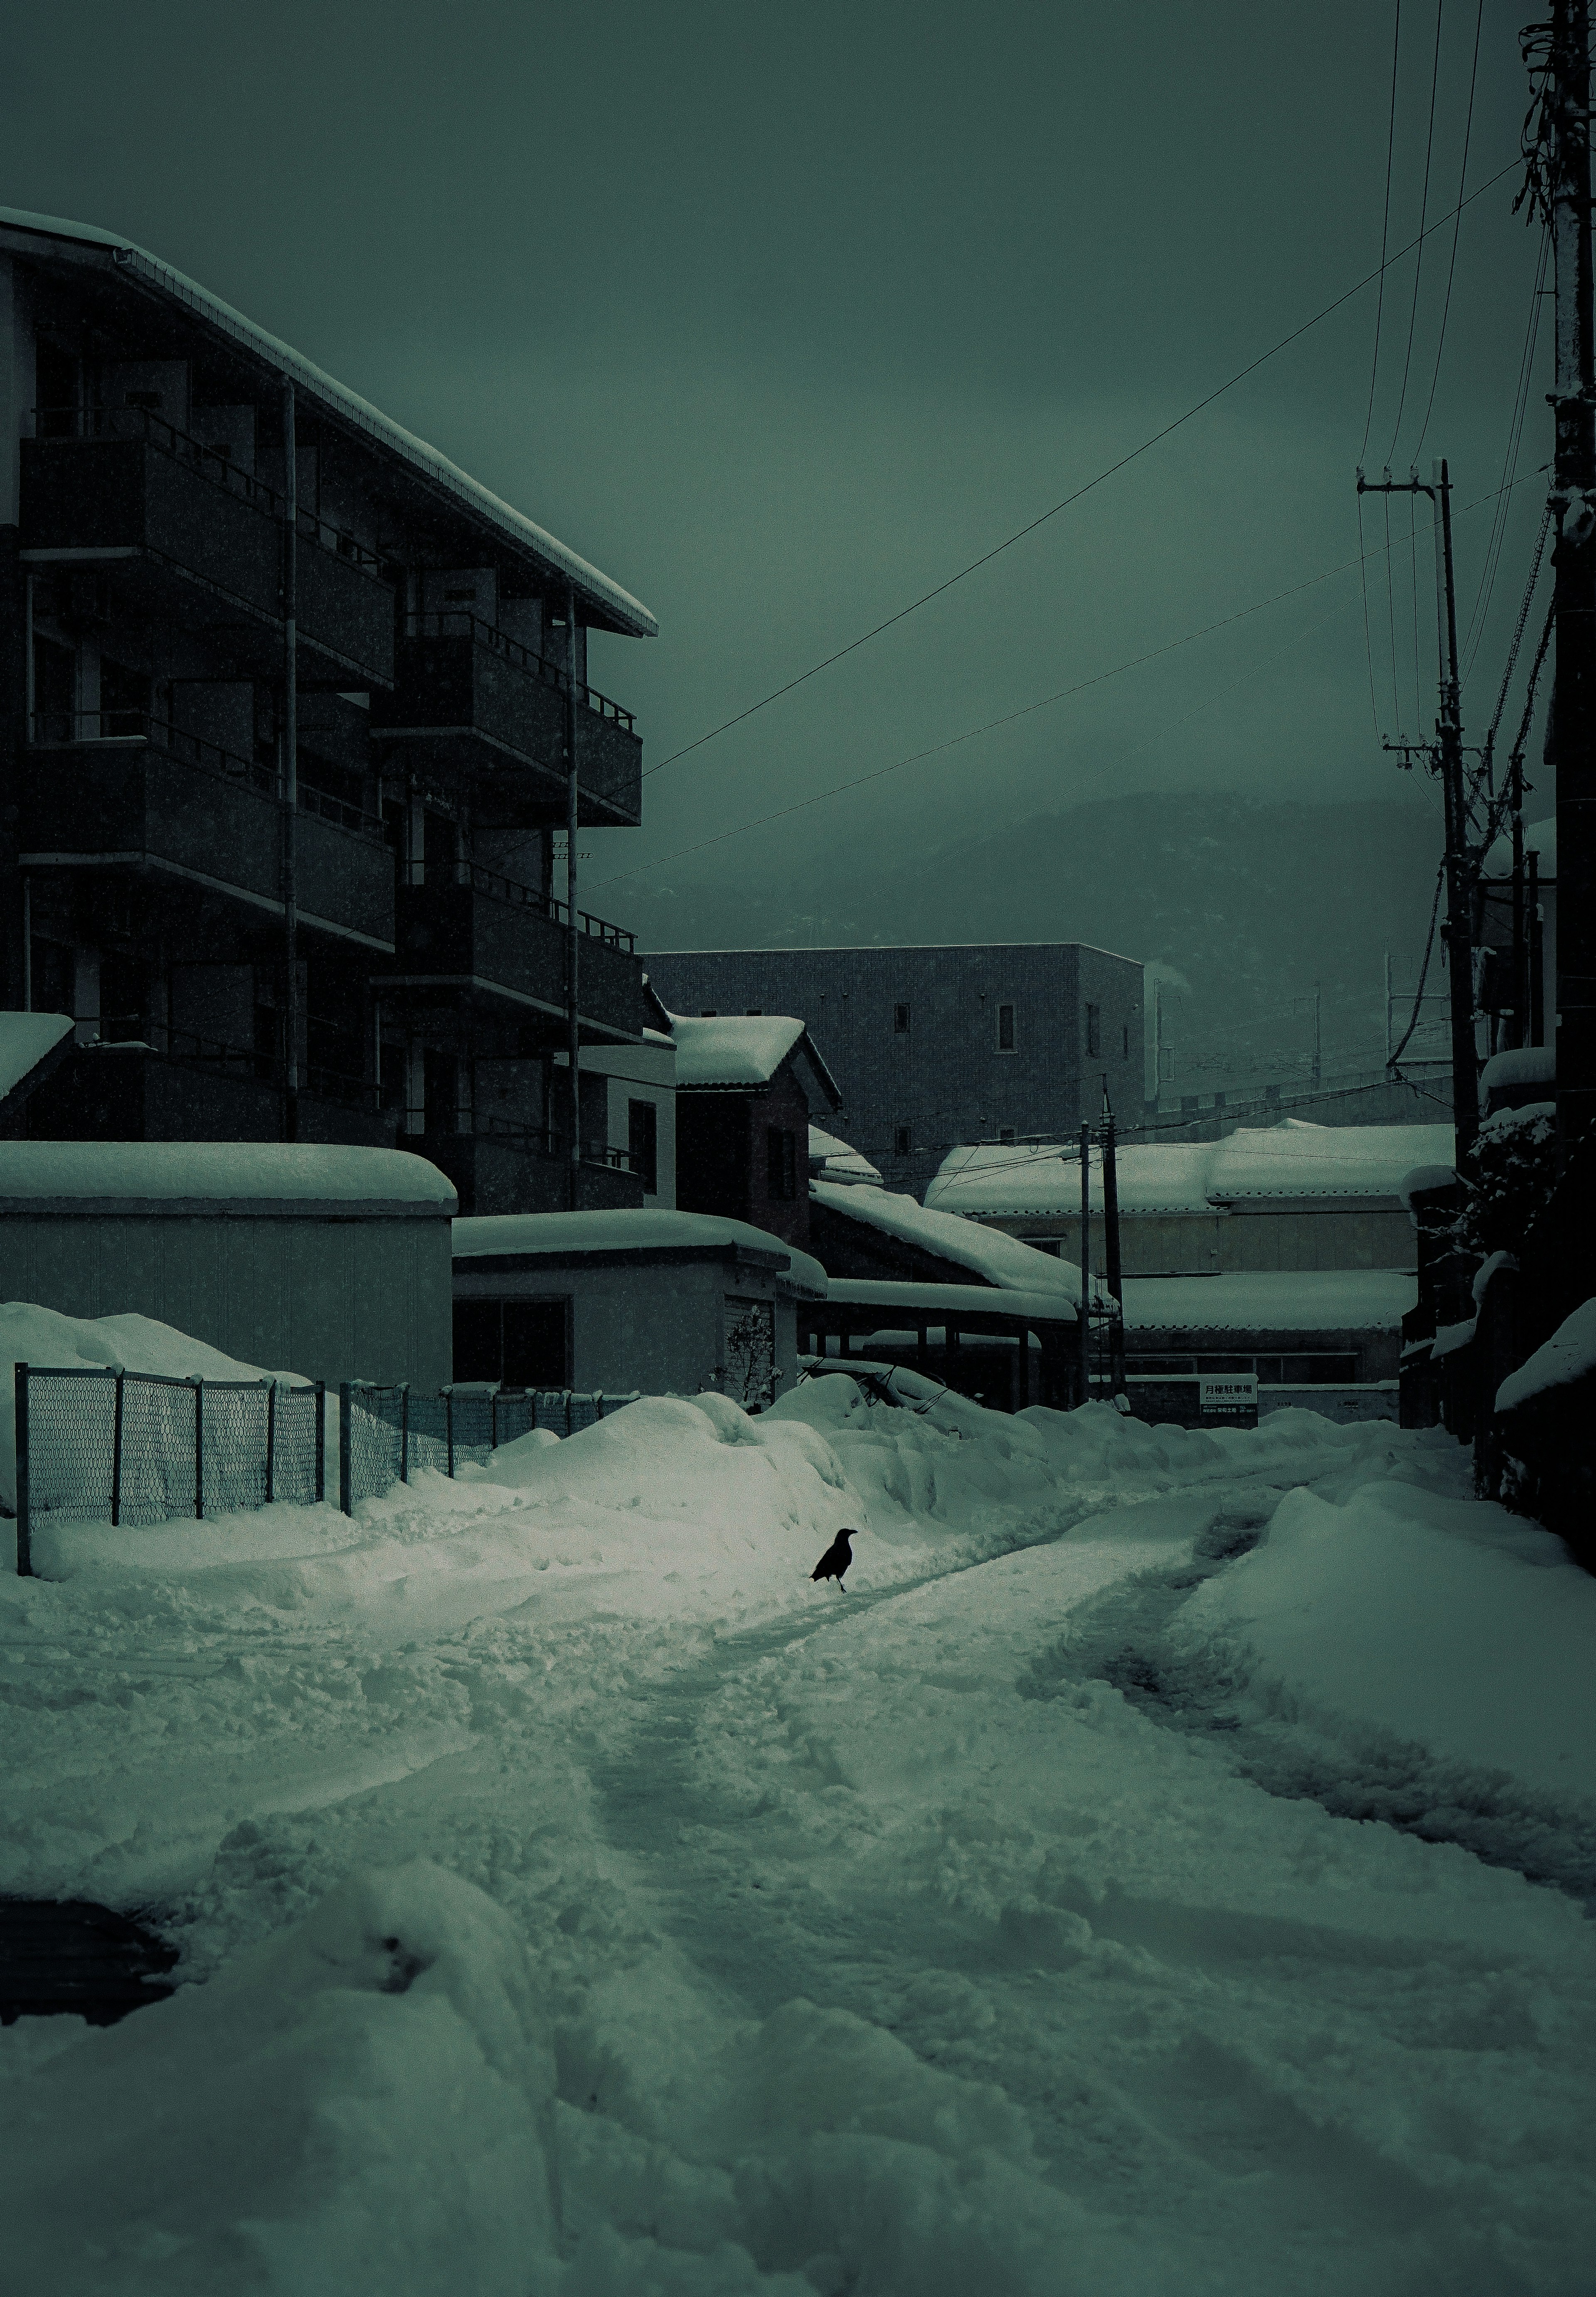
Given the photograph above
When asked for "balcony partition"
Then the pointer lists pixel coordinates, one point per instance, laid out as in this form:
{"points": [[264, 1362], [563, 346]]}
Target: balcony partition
{"points": [[455, 921]]}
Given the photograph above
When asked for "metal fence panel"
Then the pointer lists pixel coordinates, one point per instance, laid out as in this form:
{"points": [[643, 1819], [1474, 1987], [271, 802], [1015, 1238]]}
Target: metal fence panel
{"points": [[391, 1432]]}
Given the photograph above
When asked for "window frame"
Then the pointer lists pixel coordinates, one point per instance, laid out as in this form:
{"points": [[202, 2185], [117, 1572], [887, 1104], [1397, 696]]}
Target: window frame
{"points": [[1012, 1024]]}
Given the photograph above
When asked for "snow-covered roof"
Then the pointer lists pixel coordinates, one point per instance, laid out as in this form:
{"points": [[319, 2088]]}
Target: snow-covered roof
{"points": [[1539, 837], [265, 1172], [1271, 1300], [620, 610], [1568, 1355], [569, 1235], [996, 1259], [25, 1038], [838, 1162], [1420, 1179], [1291, 1159], [939, 1302], [1525, 1065], [741, 1049]]}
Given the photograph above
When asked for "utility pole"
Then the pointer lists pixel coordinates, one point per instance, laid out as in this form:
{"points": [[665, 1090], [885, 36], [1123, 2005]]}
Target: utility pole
{"points": [[573, 938], [1083, 1313], [1568, 195], [1388, 1012], [289, 773], [1447, 758], [1318, 1063], [1116, 1330]]}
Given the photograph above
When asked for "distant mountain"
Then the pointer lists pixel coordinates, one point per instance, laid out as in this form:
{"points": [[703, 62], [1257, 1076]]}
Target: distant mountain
{"points": [[1238, 905]]}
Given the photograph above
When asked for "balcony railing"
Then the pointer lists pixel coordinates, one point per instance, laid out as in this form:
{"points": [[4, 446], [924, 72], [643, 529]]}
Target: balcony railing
{"points": [[212, 463], [535, 1140], [74, 728], [460, 622], [505, 889]]}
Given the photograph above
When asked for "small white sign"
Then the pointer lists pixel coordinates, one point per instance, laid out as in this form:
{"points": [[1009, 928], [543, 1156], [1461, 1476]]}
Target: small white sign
{"points": [[1233, 1397]]}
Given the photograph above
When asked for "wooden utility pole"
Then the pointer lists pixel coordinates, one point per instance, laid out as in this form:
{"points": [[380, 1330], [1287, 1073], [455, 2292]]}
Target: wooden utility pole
{"points": [[573, 937], [289, 777], [1574, 502], [1111, 1252], [1083, 1313]]}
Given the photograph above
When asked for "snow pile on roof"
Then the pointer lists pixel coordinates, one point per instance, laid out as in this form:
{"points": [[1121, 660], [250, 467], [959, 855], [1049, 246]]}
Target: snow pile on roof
{"points": [[1422, 1179], [564, 1235], [1522, 1064], [228, 1171], [1289, 1159], [1539, 837], [732, 1049], [901, 1299], [1450, 1338], [25, 1038], [628, 613], [1568, 1355], [1458, 1631], [1273, 1300], [996, 1259], [50, 1341], [831, 1159]]}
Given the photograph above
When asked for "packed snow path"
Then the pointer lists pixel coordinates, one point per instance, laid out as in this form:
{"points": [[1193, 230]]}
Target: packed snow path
{"points": [[773, 1940]]}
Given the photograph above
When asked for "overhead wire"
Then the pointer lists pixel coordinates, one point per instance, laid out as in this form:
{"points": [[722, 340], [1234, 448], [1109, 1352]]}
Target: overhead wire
{"points": [[1486, 584], [1379, 309], [1457, 225], [1111, 471], [1429, 145]]}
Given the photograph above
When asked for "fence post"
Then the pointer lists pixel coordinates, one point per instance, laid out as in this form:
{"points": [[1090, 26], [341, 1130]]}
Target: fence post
{"points": [[321, 1439], [569, 1409], [346, 1493], [270, 1386], [403, 1431], [199, 1448], [24, 1526], [493, 1420], [116, 1454], [448, 1427]]}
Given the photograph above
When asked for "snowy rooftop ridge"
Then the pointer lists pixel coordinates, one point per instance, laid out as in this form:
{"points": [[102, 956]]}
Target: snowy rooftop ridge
{"points": [[998, 1260], [628, 614], [740, 1049], [1568, 1355], [501, 1235], [1273, 1300], [262, 1171], [838, 1162]]}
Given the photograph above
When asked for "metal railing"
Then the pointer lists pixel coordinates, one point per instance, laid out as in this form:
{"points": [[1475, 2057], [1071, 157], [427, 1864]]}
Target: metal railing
{"points": [[76, 729], [212, 462], [135, 1447], [386, 1435], [505, 889], [461, 623], [534, 1139]]}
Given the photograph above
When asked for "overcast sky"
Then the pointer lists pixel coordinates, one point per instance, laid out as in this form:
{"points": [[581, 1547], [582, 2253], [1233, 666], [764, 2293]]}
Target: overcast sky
{"points": [[782, 315]]}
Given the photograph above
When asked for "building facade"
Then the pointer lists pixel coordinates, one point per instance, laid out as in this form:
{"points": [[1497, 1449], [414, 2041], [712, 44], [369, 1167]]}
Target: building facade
{"points": [[350, 931], [934, 1046], [746, 1088]]}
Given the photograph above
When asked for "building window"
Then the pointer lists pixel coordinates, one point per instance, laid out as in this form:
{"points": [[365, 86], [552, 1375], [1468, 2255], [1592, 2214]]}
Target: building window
{"points": [[900, 1019], [642, 1144], [754, 1013], [518, 1343], [781, 1163], [1094, 1029], [1006, 1028], [1006, 1136], [900, 1141], [707, 1013], [1125, 1035]]}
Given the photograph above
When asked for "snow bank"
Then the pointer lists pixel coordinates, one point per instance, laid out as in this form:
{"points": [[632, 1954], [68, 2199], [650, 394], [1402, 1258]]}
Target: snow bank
{"points": [[1568, 1355], [1442, 1622], [42, 1336]]}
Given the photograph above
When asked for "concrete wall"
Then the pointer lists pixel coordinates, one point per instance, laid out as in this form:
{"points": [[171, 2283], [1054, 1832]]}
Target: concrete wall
{"points": [[944, 1077], [368, 1299], [643, 1071], [656, 1326]]}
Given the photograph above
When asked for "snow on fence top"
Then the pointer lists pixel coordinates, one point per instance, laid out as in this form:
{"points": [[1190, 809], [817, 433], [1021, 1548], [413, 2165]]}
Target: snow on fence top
{"points": [[569, 1236], [258, 1173], [1568, 1355], [1271, 1300], [620, 610], [996, 1259], [25, 1038], [1292, 1159]]}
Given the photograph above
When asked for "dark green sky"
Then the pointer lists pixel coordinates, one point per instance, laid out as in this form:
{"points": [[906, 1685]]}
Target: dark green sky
{"points": [[780, 315]]}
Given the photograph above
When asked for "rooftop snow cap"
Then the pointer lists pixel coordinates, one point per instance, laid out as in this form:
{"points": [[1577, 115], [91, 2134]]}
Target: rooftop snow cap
{"points": [[216, 1172], [573, 1236], [608, 603], [740, 1051]]}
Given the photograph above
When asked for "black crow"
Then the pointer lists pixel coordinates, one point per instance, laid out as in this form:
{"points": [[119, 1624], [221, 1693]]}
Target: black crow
{"points": [[837, 1558]]}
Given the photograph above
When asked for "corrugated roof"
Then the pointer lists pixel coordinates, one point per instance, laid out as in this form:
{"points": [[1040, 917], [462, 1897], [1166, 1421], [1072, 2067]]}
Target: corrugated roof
{"points": [[597, 588]]}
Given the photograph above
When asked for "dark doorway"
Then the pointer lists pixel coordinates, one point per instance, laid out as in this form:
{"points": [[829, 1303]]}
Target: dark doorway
{"points": [[519, 1343]]}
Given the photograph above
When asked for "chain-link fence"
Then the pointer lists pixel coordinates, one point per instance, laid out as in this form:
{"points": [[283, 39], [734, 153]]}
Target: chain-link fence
{"points": [[138, 1447], [386, 1434]]}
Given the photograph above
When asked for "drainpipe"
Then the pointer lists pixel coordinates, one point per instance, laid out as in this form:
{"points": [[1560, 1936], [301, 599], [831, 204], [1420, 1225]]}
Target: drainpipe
{"points": [[291, 767], [573, 939]]}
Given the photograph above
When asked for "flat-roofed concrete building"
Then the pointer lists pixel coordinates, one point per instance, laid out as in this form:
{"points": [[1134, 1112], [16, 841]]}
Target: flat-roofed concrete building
{"points": [[946, 1043]]}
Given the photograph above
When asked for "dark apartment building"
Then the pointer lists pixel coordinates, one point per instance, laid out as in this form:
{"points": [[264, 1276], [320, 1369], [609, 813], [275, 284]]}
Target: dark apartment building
{"points": [[290, 709], [932, 1047]]}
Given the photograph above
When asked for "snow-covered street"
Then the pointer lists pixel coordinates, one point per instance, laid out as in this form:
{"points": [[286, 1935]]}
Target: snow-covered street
{"points": [[1109, 1892]]}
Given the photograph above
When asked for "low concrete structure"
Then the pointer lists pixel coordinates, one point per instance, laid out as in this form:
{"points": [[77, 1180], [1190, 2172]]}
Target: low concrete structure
{"points": [[1329, 1342], [671, 1303], [332, 1262]]}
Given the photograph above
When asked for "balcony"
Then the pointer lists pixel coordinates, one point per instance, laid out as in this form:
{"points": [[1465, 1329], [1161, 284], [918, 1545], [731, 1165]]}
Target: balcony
{"points": [[471, 701], [182, 1087], [120, 786], [501, 1172], [190, 537], [456, 924]]}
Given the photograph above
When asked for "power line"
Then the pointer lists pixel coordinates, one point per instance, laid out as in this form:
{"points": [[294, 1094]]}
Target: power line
{"points": [[1009, 717], [1456, 227], [1112, 469], [1486, 584], [1423, 209], [1379, 309]]}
